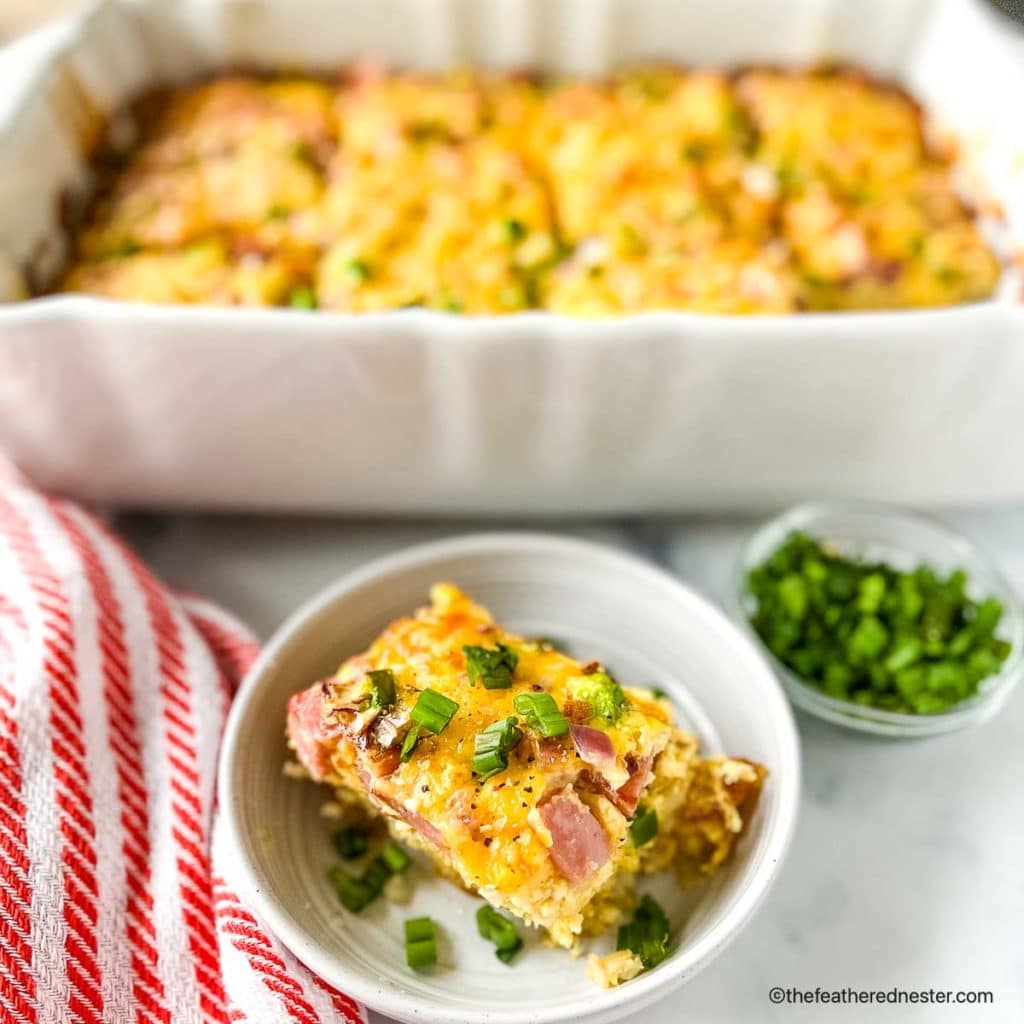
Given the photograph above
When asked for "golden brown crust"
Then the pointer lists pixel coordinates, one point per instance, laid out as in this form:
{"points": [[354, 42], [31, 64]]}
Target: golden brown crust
{"points": [[758, 191]]}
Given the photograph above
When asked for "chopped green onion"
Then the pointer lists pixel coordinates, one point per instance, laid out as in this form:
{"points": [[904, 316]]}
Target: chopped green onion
{"points": [[603, 694], [644, 826], [412, 737], [376, 875], [383, 693], [513, 230], [541, 713], [396, 859], [357, 893], [351, 842], [507, 955], [647, 935], [499, 930], [870, 633], [418, 929], [491, 747], [358, 270], [302, 298], [490, 763], [420, 942], [354, 893], [434, 711], [493, 668]]}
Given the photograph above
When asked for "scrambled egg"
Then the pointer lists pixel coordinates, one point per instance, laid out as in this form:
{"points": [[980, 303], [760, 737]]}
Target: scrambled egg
{"points": [[762, 192]]}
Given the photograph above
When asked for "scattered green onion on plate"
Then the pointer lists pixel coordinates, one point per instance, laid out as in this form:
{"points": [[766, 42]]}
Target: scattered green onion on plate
{"points": [[647, 935], [355, 893], [499, 930], [420, 942], [351, 842]]}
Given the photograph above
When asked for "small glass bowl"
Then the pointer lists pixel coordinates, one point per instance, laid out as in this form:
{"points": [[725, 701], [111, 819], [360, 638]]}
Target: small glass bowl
{"points": [[903, 540]]}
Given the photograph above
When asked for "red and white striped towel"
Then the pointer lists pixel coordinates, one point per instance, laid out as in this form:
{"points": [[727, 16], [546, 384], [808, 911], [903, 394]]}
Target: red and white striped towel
{"points": [[116, 902]]}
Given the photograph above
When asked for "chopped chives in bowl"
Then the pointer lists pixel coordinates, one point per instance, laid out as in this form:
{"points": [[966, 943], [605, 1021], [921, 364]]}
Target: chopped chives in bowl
{"points": [[906, 641]]}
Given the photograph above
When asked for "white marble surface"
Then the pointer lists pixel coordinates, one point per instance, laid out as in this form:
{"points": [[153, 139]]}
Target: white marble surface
{"points": [[907, 868]]}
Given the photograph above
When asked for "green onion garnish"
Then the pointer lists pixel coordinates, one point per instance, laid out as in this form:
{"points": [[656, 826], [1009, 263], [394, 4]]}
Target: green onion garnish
{"points": [[396, 859], [541, 713], [376, 875], [507, 955], [492, 745], [412, 737], [357, 893], [302, 298], [513, 230], [647, 935], [912, 641], [383, 693], [434, 711], [420, 942], [358, 270], [644, 826], [499, 930], [493, 668], [354, 893], [351, 842]]}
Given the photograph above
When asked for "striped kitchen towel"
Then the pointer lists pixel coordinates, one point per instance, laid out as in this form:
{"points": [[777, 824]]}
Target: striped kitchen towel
{"points": [[116, 898]]}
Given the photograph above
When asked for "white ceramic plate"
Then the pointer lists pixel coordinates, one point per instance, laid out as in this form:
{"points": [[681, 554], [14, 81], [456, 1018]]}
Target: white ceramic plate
{"points": [[648, 628]]}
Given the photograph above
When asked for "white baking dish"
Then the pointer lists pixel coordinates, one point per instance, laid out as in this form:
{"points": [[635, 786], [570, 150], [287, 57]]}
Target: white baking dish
{"points": [[417, 411]]}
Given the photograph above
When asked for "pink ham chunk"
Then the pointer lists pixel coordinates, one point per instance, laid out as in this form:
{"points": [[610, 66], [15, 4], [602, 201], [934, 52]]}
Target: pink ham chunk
{"points": [[579, 845], [306, 730], [628, 794]]}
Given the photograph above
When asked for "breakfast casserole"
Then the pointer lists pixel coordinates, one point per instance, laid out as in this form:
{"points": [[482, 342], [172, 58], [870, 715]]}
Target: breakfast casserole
{"points": [[529, 778], [763, 191]]}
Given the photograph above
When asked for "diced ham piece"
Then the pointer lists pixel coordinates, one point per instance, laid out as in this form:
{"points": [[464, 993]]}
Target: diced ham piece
{"points": [[306, 730], [593, 746], [579, 845], [628, 794], [397, 810], [626, 797]]}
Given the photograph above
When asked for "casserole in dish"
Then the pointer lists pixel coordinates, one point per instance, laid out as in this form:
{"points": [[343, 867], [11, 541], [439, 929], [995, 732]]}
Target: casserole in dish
{"points": [[760, 192], [425, 411]]}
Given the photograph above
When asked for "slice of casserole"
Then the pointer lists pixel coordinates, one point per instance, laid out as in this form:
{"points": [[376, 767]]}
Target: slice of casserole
{"points": [[515, 768]]}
